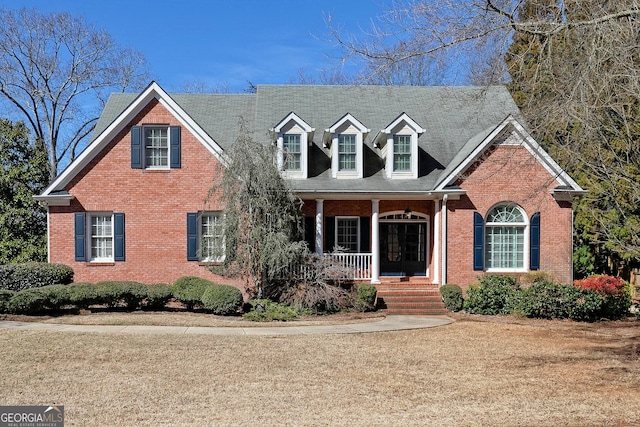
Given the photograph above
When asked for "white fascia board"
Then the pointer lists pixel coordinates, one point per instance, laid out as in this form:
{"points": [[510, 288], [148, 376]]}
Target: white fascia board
{"points": [[152, 91], [293, 117], [528, 142], [404, 117], [349, 118]]}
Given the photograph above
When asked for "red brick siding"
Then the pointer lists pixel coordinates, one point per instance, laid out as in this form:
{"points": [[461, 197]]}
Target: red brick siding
{"points": [[155, 204], [509, 174]]}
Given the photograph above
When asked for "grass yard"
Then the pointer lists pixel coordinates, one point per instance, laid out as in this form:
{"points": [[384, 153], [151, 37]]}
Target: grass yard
{"points": [[478, 371]]}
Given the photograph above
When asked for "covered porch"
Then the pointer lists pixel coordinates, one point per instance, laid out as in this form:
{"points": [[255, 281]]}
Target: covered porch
{"points": [[373, 238]]}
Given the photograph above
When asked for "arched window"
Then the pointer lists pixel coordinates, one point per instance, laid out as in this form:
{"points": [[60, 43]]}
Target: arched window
{"points": [[505, 229]]}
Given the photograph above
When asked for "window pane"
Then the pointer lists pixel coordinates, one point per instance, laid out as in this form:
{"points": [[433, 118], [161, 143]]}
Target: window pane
{"points": [[101, 237], [156, 147], [212, 237], [292, 152], [504, 247], [401, 153], [348, 234], [346, 152]]}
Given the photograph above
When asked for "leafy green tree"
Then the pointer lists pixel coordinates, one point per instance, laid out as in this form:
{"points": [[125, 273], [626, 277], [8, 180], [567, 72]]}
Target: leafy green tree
{"points": [[262, 224], [23, 173]]}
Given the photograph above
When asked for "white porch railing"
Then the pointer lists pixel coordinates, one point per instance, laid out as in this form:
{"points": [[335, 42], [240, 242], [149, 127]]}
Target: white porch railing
{"points": [[343, 266], [357, 266]]}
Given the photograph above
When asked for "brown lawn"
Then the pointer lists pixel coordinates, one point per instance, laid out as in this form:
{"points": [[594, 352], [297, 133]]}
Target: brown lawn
{"points": [[478, 371]]}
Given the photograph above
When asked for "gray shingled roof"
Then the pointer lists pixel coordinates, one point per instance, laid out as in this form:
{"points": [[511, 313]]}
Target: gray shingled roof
{"points": [[455, 118]]}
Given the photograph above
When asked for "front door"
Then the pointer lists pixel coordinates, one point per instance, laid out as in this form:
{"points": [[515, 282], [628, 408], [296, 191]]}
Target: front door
{"points": [[403, 248]]}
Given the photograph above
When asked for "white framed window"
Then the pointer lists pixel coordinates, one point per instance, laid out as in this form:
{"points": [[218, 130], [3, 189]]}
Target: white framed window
{"points": [[156, 147], [347, 153], [292, 150], [211, 237], [505, 238], [402, 153], [101, 239], [347, 233]]}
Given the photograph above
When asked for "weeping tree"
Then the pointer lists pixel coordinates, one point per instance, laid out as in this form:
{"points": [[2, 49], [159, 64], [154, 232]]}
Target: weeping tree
{"points": [[262, 223]]}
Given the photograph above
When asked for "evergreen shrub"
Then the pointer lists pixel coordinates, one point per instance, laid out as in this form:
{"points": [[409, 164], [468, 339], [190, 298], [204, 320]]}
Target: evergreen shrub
{"points": [[16, 277], [452, 297], [189, 290], [493, 295], [223, 300], [366, 297]]}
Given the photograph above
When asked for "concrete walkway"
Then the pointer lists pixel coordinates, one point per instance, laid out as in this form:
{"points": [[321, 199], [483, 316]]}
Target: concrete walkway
{"points": [[389, 323]]}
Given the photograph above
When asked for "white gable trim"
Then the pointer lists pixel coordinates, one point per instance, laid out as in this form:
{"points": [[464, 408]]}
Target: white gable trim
{"points": [[528, 142], [153, 91]]}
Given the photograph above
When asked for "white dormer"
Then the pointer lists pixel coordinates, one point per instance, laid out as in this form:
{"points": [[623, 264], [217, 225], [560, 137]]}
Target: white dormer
{"points": [[293, 136], [346, 139], [399, 145]]}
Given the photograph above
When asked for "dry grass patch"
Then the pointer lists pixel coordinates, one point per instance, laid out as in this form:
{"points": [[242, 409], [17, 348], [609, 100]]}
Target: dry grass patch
{"points": [[503, 371]]}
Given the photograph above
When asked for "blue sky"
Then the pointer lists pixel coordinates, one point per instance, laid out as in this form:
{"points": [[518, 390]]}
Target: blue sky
{"points": [[222, 42]]}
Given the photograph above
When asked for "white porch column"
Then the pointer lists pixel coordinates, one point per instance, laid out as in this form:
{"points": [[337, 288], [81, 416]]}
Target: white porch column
{"points": [[444, 239], [375, 241], [319, 221], [437, 232]]}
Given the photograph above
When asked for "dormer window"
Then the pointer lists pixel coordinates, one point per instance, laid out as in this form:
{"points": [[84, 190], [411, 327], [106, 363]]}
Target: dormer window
{"points": [[402, 153], [292, 151], [345, 139], [399, 145], [292, 138], [347, 152]]}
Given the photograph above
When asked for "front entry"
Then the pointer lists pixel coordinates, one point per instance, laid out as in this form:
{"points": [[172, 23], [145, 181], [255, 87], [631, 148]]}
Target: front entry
{"points": [[403, 248]]}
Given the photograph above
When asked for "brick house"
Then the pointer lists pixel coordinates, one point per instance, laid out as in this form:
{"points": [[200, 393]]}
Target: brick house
{"points": [[440, 183]]}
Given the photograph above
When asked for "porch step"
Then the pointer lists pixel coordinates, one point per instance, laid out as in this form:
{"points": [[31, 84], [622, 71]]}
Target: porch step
{"points": [[409, 297]]}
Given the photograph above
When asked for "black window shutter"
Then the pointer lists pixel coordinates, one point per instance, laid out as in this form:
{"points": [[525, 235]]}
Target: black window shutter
{"points": [[534, 242], [478, 242], [192, 236], [329, 233], [175, 154], [118, 235], [79, 234], [365, 233], [310, 232], [136, 147]]}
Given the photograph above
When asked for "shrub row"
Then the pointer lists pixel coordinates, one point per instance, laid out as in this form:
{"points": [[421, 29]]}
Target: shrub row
{"points": [[193, 292], [17, 277], [587, 300]]}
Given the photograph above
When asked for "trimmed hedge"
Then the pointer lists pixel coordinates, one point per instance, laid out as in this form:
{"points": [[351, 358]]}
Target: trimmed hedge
{"points": [[366, 298], [189, 290], [17, 277], [223, 300], [452, 297], [117, 294], [157, 297], [82, 295]]}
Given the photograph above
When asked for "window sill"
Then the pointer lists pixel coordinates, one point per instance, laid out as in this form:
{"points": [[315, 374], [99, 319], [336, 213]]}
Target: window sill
{"points": [[100, 263], [506, 270], [210, 263], [163, 170]]}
